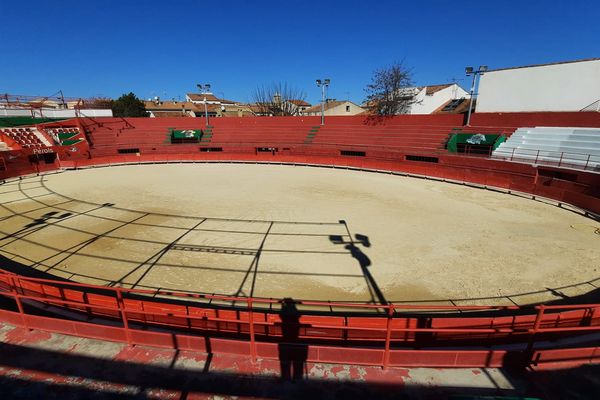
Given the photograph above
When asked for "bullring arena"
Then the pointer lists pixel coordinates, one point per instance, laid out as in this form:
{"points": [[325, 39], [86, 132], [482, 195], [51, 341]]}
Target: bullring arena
{"points": [[358, 242], [306, 233]]}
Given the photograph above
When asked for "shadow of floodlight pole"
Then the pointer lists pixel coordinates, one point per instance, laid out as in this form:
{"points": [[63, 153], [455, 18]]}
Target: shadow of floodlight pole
{"points": [[362, 259]]}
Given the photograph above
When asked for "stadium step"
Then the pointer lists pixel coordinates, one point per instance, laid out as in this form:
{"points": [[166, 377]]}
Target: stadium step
{"points": [[312, 133]]}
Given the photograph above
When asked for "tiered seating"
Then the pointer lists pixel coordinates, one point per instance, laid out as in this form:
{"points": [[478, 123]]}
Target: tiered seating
{"points": [[108, 135], [27, 138], [553, 145], [153, 135], [261, 131]]}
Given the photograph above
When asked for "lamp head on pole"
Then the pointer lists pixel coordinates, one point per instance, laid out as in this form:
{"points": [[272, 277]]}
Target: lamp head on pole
{"points": [[468, 70], [327, 81], [483, 68], [319, 82]]}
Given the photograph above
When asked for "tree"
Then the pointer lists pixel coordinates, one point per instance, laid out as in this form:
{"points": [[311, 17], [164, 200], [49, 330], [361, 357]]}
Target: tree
{"points": [[277, 100], [390, 91], [128, 105]]}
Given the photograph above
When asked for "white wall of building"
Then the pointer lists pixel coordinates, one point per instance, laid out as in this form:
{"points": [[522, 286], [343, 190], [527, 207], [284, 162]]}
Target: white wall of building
{"points": [[343, 108], [52, 113], [426, 104], [556, 87]]}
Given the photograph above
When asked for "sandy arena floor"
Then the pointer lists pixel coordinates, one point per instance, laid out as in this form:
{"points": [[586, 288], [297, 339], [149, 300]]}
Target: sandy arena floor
{"points": [[300, 232]]}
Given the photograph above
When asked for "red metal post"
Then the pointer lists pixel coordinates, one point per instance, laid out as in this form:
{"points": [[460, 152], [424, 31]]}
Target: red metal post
{"points": [[536, 157], [121, 305], [251, 326], [17, 297], [388, 336], [533, 332]]}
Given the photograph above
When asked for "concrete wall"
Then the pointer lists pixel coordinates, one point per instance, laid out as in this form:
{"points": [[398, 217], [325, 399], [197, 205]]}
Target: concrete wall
{"points": [[52, 113], [557, 87]]}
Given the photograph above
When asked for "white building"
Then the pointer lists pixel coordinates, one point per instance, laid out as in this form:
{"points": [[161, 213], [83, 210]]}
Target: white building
{"points": [[562, 86], [428, 99]]}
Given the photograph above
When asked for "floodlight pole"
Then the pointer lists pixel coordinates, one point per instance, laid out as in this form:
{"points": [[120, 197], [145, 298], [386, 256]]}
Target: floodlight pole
{"points": [[324, 84], [470, 71], [203, 90]]}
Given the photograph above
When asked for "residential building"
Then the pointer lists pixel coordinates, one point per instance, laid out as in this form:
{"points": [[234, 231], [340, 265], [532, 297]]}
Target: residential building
{"points": [[429, 99], [299, 106], [335, 107], [198, 98]]}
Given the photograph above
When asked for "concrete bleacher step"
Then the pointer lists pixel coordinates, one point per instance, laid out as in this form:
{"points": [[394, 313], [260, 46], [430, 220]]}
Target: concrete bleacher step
{"points": [[563, 145]]}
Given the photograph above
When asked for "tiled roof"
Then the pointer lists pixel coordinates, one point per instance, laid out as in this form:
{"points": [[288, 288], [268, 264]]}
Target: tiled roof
{"points": [[169, 105], [461, 108], [546, 64], [299, 103], [209, 97], [328, 105], [159, 114], [436, 88]]}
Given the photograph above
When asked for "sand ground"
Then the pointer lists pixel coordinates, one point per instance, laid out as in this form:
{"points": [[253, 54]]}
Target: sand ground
{"points": [[300, 232]]}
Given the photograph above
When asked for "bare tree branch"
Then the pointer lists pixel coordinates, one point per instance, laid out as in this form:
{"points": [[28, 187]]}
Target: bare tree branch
{"points": [[277, 100], [391, 90]]}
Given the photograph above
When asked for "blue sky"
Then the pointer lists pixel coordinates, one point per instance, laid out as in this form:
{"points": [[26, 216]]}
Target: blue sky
{"points": [[109, 47]]}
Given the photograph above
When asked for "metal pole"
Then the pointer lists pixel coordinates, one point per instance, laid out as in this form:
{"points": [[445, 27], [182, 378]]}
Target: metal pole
{"points": [[251, 328], [17, 297], [533, 332], [388, 336], [471, 100], [121, 306], [205, 110], [323, 104], [587, 162]]}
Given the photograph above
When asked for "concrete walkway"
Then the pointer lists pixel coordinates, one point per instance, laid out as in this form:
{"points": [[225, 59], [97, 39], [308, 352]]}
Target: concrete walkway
{"points": [[36, 364]]}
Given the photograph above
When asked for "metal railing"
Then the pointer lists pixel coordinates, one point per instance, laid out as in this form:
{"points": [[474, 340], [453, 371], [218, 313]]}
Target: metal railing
{"points": [[256, 320], [565, 159]]}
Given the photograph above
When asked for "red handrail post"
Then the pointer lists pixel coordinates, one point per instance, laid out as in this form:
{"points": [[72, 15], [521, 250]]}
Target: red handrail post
{"points": [[251, 327], [121, 306], [17, 297], [388, 336], [536, 157], [533, 333]]}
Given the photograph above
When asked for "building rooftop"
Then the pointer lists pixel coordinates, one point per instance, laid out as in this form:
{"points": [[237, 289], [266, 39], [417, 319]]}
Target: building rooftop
{"points": [[209, 97], [546, 64]]}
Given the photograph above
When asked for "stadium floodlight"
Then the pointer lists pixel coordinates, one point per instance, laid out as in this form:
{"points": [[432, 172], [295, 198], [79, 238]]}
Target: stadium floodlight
{"points": [[471, 71], [323, 84], [204, 89]]}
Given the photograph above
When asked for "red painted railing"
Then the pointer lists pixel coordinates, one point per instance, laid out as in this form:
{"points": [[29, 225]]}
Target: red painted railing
{"points": [[145, 316]]}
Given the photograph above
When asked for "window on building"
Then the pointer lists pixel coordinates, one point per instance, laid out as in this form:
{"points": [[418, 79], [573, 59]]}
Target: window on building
{"points": [[347, 108]]}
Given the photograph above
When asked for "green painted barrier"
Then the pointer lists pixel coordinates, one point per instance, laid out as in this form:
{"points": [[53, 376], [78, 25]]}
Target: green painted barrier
{"points": [[70, 142], [471, 138], [66, 135], [186, 134], [18, 121]]}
